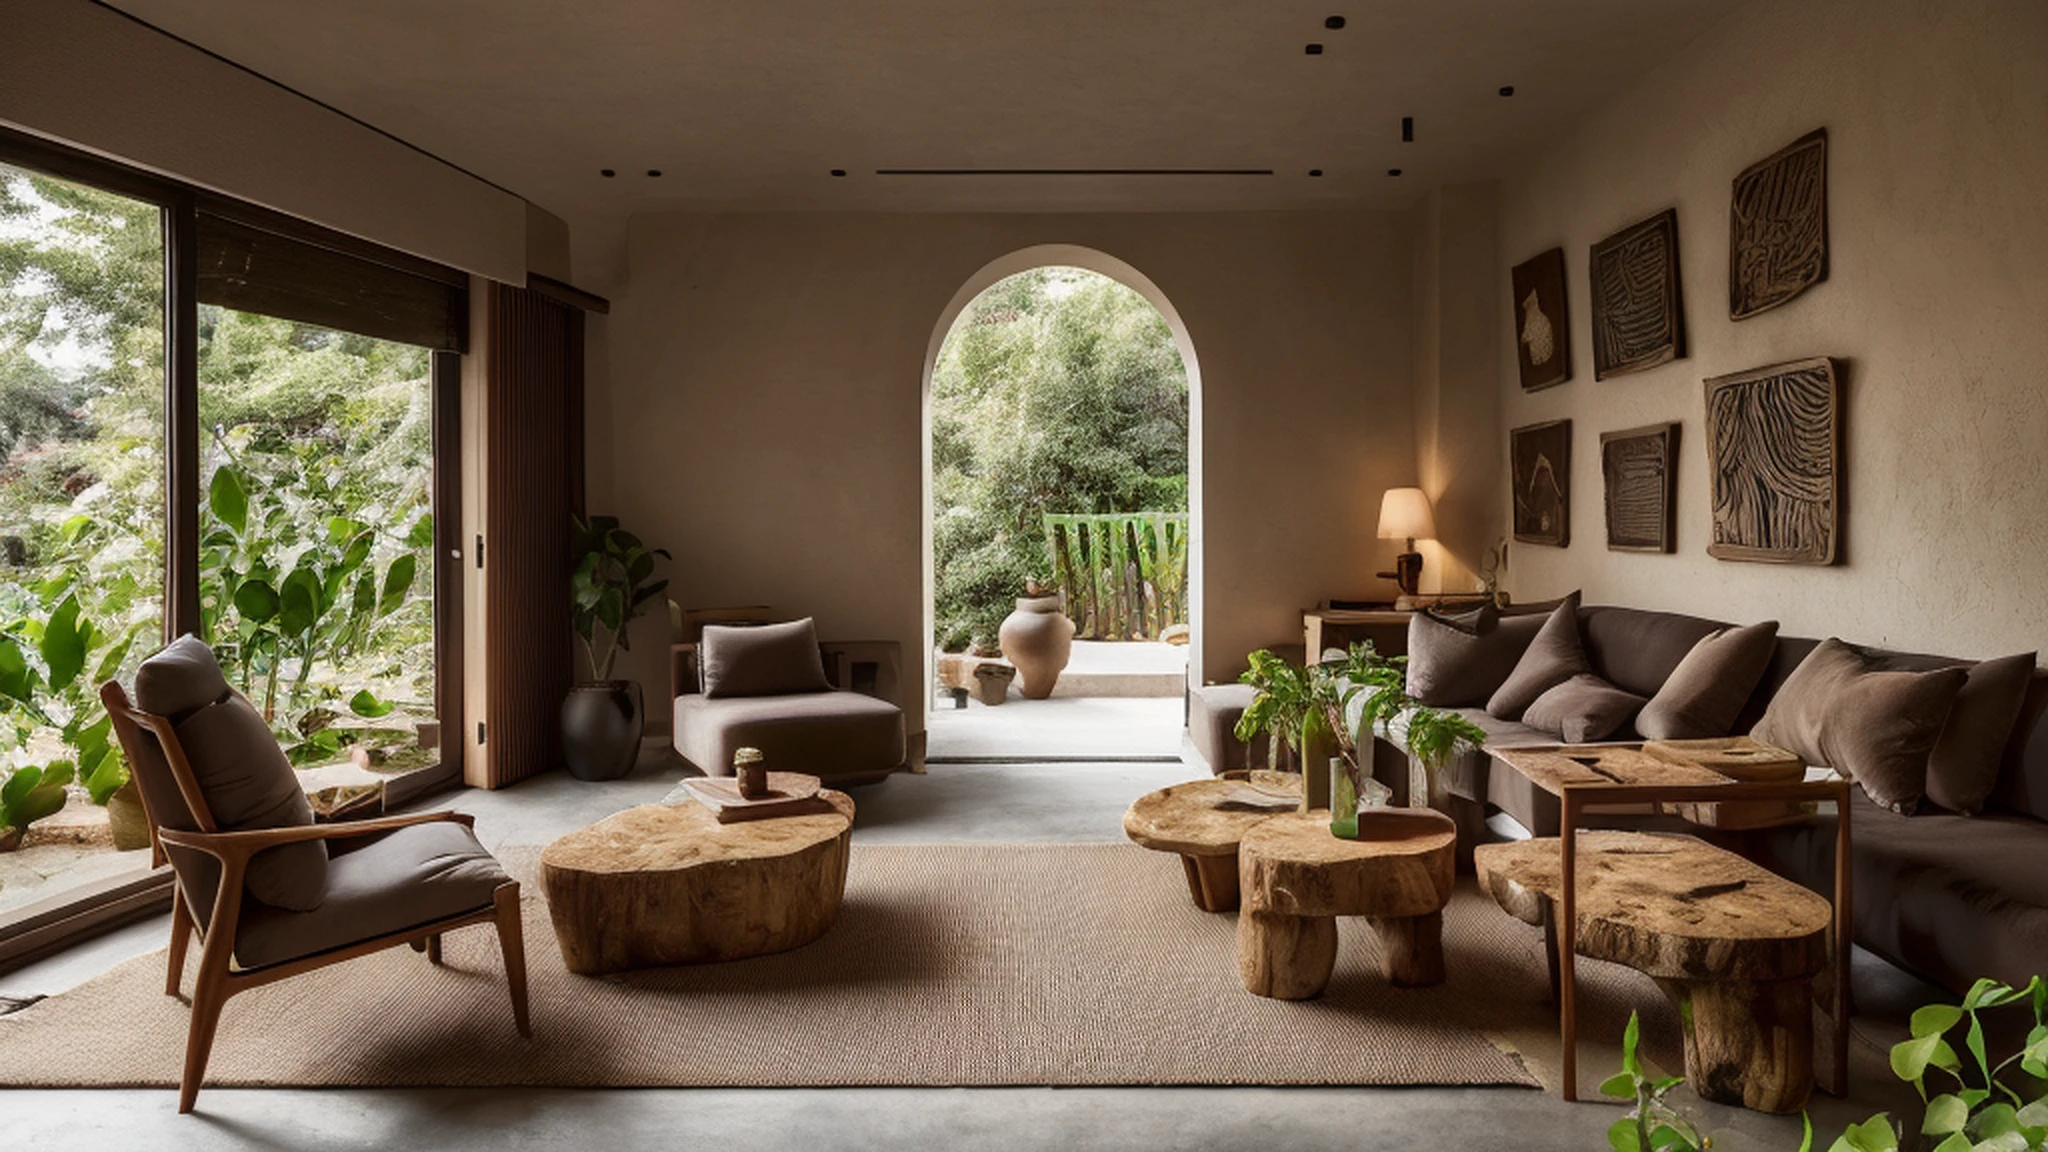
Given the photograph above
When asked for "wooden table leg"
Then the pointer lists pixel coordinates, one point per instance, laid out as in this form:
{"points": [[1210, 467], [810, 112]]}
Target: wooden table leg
{"points": [[1212, 881], [1748, 1043], [1411, 949], [1285, 957]]}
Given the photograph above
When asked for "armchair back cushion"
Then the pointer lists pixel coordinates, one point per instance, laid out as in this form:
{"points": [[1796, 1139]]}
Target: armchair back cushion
{"points": [[761, 660], [241, 772]]}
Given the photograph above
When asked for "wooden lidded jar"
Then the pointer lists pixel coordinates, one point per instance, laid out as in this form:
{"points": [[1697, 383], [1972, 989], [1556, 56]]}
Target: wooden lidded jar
{"points": [[752, 770]]}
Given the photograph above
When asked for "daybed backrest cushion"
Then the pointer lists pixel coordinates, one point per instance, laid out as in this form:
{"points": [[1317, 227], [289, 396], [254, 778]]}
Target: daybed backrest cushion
{"points": [[241, 771], [761, 660]]}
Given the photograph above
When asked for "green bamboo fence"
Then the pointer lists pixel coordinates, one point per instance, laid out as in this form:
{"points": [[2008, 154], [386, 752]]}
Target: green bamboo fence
{"points": [[1125, 574]]}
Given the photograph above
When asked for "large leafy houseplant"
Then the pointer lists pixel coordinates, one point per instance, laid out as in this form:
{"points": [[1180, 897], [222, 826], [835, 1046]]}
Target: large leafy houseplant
{"points": [[611, 585]]}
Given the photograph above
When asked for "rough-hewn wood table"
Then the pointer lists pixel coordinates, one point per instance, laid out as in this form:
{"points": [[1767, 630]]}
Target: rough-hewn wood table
{"points": [[1296, 878], [669, 884], [1669, 764], [1203, 820], [1734, 946]]}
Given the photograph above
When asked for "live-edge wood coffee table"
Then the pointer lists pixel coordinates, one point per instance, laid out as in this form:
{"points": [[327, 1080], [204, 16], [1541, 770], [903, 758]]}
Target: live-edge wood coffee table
{"points": [[1296, 878], [1202, 821]]}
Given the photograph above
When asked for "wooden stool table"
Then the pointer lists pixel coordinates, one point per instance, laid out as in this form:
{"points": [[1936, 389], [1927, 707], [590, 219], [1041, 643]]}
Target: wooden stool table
{"points": [[1734, 946], [1297, 878], [669, 884], [1203, 820]]}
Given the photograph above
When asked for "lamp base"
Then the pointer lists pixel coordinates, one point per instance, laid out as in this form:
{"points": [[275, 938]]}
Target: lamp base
{"points": [[1408, 572]]}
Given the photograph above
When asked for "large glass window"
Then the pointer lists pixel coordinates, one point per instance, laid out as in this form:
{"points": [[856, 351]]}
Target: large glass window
{"points": [[81, 514], [316, 545]]}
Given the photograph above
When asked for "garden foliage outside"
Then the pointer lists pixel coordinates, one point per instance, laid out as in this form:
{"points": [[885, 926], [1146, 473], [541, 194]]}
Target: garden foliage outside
{"points": [[315, 540], [1057, 391]]}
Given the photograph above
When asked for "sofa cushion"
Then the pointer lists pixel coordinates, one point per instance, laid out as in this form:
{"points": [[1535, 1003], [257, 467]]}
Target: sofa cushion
{"points": [[1706, 692], [1583, 708], [1636, 649], [413, 876], [1874, 727], [1964, 766], [761, 659], [1458, 661], [1949, 897], [241, 771], [829, 734], [1554, 656], [1213, 712]]}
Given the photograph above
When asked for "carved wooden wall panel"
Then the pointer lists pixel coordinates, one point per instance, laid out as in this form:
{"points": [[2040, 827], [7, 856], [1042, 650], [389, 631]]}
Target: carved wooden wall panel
{"points": [[1774, 447], [1542, 328], [1778, 227], [1638, 313], [1639, 472], [1540, 458]]}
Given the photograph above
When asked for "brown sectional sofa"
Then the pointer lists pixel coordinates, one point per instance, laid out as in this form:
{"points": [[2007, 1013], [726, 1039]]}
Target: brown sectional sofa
{"points": [[1949, 897]]}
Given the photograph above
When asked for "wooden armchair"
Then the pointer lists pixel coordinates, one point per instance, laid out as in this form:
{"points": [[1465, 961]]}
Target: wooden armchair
{"points": [[244, 943]]}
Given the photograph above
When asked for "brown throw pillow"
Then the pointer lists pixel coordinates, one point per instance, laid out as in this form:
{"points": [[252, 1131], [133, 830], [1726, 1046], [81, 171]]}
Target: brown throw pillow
{"points": [[1553, 657], [241, 770], [761, 660], [1706, 692], [1964, 767], [1582, 709], [1874, 727], [1458, 661]]}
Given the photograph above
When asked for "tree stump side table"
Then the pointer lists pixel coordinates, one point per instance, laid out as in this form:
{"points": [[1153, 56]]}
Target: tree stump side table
{"points": [[1735, 946], [1296, 879], [668, 884], [1202, 821]]}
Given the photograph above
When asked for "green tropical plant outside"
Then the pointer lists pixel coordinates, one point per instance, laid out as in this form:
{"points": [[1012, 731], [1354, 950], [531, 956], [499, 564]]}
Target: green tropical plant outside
{"points": [[612, 585], [1058, 391], [30, 793]]}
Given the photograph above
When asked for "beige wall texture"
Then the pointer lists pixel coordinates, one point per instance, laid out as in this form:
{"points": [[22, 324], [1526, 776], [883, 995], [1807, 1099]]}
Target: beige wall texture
{"points": [[1457, 337], [762, 410], [1937, 301], [88, 76]]}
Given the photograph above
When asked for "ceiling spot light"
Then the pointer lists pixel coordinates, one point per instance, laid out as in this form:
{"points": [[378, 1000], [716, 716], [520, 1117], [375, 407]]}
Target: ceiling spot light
{"points": [[654, 171], [1333, 22], [839, 171], [1315, 171], [1393, 171], [1314, 49], [1407, 129], [606, 173], [1507, 90]]}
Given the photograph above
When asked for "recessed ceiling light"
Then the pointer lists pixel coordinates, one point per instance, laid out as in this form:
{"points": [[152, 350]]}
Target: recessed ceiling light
{"points": [[1507, 90], [654, 171], [1315, 171], [1333, 22], [606, 173], [1314, 49], [839, 171], [1393, 171]]}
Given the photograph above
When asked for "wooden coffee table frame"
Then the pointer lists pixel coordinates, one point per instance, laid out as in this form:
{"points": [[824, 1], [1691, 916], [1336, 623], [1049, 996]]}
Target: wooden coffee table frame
{"points": [[1576, 800]]}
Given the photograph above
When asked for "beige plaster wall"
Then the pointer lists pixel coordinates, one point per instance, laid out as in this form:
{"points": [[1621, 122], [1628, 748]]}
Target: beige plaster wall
{"points": [[1457, 411], [86, 75], [1937, 119], [762, 411]]}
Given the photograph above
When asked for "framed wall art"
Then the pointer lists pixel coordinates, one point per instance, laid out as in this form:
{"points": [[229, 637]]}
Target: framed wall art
{"points": [[1639, 475], [1540, 460], [1542, 327], [1774, 448], [1638, 310], [1778, 227]]}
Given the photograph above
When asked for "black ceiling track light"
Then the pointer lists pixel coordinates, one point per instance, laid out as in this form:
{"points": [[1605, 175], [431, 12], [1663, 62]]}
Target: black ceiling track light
{"points": [[1507, 90], [839, 171], [607, 173], [1393, 171], [1333, 22], [654, 172], [1314, 49], [1407, 129], [1315, 171]]}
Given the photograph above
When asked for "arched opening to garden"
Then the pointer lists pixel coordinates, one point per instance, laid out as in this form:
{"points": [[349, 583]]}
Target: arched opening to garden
{"points": [[1063, 496]]}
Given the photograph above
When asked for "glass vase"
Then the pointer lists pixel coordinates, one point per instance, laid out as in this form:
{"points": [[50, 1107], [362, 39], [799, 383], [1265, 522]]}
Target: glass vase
{"points": [[1343, 800]]}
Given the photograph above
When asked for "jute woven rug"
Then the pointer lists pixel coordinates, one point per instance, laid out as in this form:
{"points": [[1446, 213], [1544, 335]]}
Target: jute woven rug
{"points": [[949, 965]]}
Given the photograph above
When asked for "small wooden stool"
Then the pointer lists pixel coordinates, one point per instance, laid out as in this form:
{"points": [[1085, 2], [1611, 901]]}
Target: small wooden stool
{"points": [[1203, 820], [1296, 878]]}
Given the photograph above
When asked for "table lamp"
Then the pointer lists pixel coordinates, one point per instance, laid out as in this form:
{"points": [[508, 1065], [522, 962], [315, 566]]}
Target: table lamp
{"points": [[1405, 515]]}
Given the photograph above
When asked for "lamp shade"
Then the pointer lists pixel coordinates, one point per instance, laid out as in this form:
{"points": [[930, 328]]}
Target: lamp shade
{"points": [[1405, 515]]}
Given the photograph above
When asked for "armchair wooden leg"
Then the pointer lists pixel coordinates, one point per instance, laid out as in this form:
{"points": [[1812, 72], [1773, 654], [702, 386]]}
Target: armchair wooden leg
{"points": [[512, 942], [209, 992], [181, 933]]}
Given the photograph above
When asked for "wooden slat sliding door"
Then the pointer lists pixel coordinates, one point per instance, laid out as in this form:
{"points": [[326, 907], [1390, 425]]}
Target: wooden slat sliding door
{"points": [[534, 375]]}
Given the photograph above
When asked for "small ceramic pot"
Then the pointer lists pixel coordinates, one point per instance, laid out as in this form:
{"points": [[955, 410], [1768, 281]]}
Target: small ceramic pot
{"points": [[751, 769], [1039, 639]]}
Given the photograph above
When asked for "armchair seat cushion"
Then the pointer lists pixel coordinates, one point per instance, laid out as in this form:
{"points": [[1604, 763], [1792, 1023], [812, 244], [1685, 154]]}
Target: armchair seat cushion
{"points": [[826, 734], [413, 876]]}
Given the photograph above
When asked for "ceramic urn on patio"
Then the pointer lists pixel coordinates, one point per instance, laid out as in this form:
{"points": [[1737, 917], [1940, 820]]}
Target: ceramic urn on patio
{"points": [[1038, 638]]}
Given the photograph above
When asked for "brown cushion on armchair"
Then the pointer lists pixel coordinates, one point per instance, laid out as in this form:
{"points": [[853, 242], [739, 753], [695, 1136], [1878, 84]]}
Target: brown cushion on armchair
{"points": [[760, 660]]}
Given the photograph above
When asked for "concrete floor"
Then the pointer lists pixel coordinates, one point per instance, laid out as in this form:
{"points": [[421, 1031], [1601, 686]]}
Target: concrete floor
{"points": [[1062, 802], [1060, 728]]}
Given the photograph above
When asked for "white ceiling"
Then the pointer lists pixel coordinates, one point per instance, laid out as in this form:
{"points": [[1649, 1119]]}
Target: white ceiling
{"points": [[748, 104]]}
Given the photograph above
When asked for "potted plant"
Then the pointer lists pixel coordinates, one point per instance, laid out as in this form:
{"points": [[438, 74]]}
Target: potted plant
{"points": [[1347, 702], [29, 794], [612, 585]]}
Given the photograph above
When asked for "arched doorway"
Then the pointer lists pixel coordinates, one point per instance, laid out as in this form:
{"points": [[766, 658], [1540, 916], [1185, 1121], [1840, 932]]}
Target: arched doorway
{"points": [[995, 273]]}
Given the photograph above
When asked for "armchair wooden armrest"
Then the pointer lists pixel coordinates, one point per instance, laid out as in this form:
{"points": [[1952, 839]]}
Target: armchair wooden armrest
{"points": [[235, 848]]}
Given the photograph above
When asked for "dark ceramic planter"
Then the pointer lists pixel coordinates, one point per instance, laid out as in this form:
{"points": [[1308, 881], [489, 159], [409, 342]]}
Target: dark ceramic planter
{"points": [[601, 727]]}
